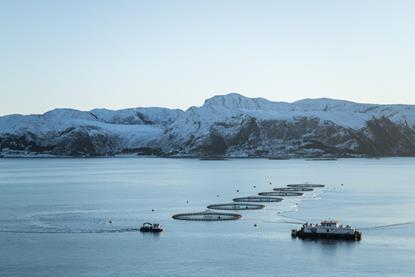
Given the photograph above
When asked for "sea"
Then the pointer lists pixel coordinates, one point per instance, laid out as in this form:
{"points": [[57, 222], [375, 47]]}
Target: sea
{"points": [[81, 217]]}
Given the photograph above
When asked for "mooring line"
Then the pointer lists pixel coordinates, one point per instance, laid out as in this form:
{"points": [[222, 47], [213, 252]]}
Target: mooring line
{"points": [[248, 219], [387, 226], [292, 218]]}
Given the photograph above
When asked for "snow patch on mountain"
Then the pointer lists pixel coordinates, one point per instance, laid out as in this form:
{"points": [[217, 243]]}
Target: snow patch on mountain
{"points": [[231, 124]]}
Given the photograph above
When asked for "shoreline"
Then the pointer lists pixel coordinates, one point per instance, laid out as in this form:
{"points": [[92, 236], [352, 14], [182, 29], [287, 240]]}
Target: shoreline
{"points": [[200, 158]]}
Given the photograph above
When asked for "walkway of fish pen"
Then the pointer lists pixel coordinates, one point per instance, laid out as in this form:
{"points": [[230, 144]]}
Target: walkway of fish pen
{"points": [[281, 193], [264, 199], [236, 206], [247, 203], [305, 186], [207, 216], [293, 189]]}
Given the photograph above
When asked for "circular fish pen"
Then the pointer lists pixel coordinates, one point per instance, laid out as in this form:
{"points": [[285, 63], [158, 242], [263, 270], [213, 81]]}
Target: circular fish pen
{"points": [[281, 193], [207, 216], [305, 186], [236, 206], [293, 189], [263, 199]]}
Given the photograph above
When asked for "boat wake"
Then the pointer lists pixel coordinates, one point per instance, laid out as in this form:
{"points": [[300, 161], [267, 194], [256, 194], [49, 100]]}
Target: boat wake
{"points": [[69, 231]]}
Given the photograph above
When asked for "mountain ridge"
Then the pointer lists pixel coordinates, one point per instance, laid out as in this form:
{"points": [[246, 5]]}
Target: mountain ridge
{"points": [[226, 125]]}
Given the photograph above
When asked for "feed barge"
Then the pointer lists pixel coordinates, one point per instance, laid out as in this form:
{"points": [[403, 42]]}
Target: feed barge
{"points": [[327, 229]]}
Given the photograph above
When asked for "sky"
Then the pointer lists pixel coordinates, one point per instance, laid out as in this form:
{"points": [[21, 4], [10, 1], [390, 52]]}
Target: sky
{"points": [[120, 54]]}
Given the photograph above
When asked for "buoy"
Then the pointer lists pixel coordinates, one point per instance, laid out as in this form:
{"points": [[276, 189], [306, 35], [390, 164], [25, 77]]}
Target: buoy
{"points": [[152, 210], [237, 190], [217, 195], [187, 201], [254, 186], [255, 225], [110, 221]]}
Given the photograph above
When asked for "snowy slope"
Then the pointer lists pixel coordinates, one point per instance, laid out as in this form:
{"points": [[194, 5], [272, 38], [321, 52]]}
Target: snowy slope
{"points": [[229, 124], [61, 120], [343, 113]]}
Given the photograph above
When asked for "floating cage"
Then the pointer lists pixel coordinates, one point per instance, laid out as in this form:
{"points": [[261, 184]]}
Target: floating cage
{"points": [[305, 186], [207, 216], [236, 206], [264, 199], [293, 189], [281, 193]]}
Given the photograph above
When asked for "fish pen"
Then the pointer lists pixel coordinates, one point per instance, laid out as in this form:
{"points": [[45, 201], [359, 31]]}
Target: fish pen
{"points": [[264, 199], [236, 206], [207, 216], [293, 189], [305, 186], [281, 193]]}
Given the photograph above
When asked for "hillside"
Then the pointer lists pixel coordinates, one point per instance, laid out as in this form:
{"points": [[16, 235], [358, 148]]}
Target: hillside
{"points": [[227, 125]]}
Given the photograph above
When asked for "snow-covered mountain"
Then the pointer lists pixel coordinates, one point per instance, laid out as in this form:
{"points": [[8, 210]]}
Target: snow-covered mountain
{"points": [[226, 125]]}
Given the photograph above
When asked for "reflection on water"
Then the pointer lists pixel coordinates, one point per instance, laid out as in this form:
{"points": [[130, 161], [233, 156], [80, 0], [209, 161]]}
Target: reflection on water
{"points": [[329, 247]]}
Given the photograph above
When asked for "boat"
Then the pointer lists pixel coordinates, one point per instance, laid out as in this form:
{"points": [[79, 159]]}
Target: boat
{"points": [[327, 229], [151, 228]]}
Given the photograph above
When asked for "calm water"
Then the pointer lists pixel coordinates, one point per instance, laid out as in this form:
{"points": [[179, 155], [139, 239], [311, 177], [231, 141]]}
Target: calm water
{"points": [[54, 217]]}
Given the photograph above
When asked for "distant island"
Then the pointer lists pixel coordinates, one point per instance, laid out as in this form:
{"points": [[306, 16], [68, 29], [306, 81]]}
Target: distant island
{"points": [[225, 126]]}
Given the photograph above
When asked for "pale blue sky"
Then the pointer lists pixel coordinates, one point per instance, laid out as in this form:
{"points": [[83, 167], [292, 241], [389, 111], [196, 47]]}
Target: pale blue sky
{"points": [[119, 54]]}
